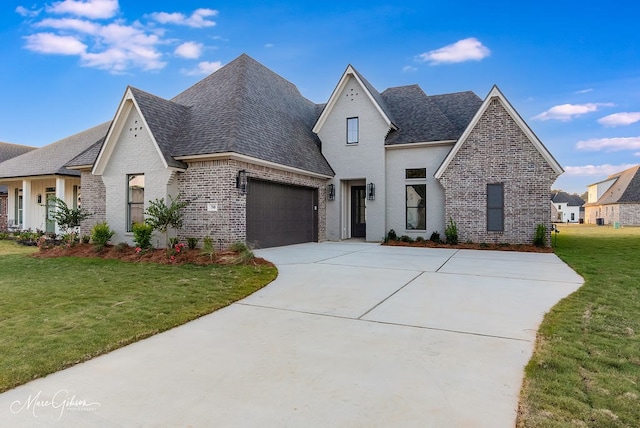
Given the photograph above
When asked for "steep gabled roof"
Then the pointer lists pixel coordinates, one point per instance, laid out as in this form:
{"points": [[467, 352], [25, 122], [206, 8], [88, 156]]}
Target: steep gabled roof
{"points": [[376, 99], [625, 189], [52, 159], [246, 108], [495, 93], [8, 150], [566, 198], [423, 118]]}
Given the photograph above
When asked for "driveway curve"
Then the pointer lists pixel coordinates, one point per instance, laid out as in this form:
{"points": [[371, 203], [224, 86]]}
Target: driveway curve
{"points": [[350, 334]]}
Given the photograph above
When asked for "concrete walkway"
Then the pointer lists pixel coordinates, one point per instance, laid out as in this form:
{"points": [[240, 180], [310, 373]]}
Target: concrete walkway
{"points": [[349, 335]]}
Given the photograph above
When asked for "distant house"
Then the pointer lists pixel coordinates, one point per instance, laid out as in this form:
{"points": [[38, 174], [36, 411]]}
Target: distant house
{"points": [[566, 208], [260, 163], [615, 200], [8, 151]]}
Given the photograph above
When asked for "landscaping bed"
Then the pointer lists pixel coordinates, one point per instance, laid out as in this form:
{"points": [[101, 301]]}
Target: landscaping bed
{"points": [[471, 246]]}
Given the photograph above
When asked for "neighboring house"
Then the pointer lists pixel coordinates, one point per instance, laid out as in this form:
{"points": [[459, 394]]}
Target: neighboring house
{"points": [[615, 200], [33, 178], [262, 164], [566, 208], [8, 151]]}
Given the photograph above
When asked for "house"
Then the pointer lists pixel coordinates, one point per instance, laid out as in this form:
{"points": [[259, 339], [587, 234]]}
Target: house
{"points": [[260, 163], [8, 151], [615, 199], [35, 177], [566, 208]]}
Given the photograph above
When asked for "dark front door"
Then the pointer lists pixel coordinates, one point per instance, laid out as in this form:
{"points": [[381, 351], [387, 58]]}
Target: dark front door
{"points": [[358, 208]]}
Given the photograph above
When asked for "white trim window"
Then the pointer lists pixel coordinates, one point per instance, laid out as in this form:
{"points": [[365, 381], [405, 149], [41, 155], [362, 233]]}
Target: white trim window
{"points": [[352, 130], [135, 200]]}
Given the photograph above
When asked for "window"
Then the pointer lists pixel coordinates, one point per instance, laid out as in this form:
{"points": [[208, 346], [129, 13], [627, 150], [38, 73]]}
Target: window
{"points": [[495, 207], [352, 130], [416, 204], [573, 217], [416, 173], [135, 200]]}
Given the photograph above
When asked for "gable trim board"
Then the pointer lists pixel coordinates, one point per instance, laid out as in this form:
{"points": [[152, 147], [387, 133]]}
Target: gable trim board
{"points": [[493, 94]]}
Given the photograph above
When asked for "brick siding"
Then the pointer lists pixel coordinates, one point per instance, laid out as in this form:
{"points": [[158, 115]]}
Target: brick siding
{"points": [[93, 199], [214, 181], [498, 151], [3, 212]]}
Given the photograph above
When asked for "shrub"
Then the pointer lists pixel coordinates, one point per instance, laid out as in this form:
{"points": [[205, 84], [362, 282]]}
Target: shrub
{"points": [[192, 243], [419, 239], [161, 216], [101, 234], [451, 232], [207, 247], [86, 239], [540, 237], [391, 236], [142, 235], [406, 238], [120, 247], [68, 218], [245, 254], [435, 237], [4, 235]]}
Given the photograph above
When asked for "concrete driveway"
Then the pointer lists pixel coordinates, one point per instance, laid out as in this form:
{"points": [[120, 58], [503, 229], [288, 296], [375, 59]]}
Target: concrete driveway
{"points": [[349, 335]]}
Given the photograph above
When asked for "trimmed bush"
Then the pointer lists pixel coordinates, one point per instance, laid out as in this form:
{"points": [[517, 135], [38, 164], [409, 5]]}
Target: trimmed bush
{"points": [[100, 235], [540, 237], [142, 235]]}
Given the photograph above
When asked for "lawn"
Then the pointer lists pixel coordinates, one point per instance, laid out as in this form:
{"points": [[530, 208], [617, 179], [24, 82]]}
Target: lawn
{"points": [[57, 312], [585, 371]]}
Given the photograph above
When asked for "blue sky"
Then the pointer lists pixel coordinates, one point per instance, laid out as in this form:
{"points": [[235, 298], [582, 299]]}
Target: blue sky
{"points": [[570, 68]]}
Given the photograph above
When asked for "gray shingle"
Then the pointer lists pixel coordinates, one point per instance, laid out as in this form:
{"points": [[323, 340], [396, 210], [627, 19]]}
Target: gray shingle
{"points": [[248, 109], [9, 151], [422, 118], [52, 159], [564, 197]]}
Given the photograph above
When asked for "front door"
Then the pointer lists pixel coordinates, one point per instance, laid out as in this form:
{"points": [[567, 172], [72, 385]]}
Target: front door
{"points": [[358, 209], [51, 210]]}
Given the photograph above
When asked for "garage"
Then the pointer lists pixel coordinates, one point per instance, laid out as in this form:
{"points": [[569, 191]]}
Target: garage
{"points": [[280, 214]]}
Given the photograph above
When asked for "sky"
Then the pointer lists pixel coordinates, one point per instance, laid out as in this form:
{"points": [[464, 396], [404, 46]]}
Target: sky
{"points": [[570, 68]]}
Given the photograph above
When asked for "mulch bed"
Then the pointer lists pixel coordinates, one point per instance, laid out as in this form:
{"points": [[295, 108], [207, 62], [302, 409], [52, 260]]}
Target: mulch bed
{"points": [[474, 246], [129, 254]]}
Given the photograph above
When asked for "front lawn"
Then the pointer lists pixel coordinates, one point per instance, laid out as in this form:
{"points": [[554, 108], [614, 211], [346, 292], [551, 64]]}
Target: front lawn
{"points": [[57, 312], [585, 371]]}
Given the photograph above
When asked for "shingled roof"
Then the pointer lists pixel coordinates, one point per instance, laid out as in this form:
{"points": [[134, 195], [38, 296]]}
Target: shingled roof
{"points": [[566, 198], [52, 159], [423, 118], [624, 190], [9, 151]]}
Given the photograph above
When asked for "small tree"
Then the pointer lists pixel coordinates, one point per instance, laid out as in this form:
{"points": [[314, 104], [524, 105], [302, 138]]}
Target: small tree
{"points": [[161, 216], [451, 232], [68, 218]]}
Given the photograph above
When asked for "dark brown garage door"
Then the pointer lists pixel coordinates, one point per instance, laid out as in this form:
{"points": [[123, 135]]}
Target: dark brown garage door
{"points": [[279, 214]]}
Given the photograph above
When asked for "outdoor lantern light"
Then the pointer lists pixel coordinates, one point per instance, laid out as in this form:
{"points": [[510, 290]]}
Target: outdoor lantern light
{"points": [[331, 192], [242, 182], [39, 198], [371, 191]]}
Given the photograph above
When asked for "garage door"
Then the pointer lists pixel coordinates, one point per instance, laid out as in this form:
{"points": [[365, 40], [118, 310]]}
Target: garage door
{"points": [[279, 214]]}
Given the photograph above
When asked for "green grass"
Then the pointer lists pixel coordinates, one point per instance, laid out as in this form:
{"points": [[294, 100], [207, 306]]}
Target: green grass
{"points": [[57, 312], [585, 371]]}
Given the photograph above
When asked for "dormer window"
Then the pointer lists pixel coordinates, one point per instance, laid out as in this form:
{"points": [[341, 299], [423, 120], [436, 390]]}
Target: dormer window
{"points": [[352, 130]]}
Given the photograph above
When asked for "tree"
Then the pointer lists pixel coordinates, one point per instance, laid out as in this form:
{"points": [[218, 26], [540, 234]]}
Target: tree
{"points": [[161, 216], [68, 218]]}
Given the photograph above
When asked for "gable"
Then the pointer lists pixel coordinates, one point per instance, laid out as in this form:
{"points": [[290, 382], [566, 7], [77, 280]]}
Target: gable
{"points": [[494, 104], [351, 85], [121, 128]]}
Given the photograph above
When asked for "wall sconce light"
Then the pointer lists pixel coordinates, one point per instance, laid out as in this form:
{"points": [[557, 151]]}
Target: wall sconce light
{"points": [[371, 192], [39, 198], [242, 182], [331, 192]]}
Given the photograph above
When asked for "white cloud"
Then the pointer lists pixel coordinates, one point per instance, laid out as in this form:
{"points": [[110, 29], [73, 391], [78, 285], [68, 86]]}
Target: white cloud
{"points": [[198, 18], [94, 9], [566, 112], [609, 144], [409, 69], [203, 68], [49, 43], [269, 45], [23, 11], [191, 50], [584, 91], [470, 49], [620, 119], [588, 170], [74, 24]]}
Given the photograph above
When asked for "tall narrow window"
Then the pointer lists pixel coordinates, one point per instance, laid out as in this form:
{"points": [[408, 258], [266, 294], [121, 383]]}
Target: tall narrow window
{"points": [[352, 130], [495, 207], [416, 203], [135, 200]]}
